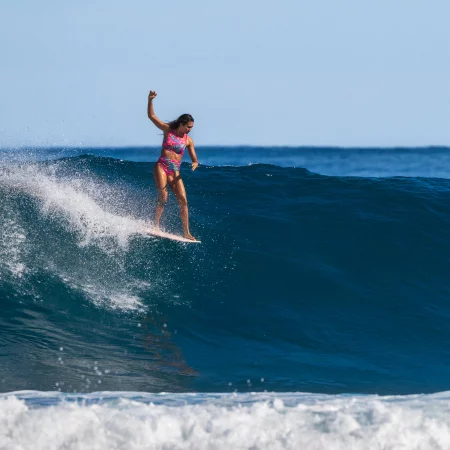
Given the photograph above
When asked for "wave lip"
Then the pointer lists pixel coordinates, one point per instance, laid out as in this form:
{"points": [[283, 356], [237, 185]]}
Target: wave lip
{"points": [[106, 420], [430, 162]]}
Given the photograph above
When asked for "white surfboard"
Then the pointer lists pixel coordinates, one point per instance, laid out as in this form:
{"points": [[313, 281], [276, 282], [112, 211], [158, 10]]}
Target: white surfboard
{"points": [[164, 234]]}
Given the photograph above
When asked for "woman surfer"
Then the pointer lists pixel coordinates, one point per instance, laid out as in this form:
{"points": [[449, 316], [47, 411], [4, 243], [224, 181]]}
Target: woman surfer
{"points": [[167, 168]]}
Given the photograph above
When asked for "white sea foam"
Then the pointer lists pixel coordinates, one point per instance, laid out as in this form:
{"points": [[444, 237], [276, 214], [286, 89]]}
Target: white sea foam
{"points": [[90, 210], [111, 296], [78, 201], [12, 244], [207, 421]]}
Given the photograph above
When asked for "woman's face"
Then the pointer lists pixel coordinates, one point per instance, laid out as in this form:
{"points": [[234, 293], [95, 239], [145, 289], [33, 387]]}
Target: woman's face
{"points": [[185, 129]]}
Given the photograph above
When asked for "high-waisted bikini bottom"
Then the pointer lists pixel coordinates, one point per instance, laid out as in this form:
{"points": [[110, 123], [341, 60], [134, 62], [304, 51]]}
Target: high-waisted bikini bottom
{"points": [[170, 166]]}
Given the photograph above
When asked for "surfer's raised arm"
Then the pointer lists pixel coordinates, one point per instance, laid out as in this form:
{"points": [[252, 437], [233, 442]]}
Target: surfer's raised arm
{"points": [[151, 114], [191, 150]]}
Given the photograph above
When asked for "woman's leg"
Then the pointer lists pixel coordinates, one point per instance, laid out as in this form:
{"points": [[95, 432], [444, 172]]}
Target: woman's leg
{"points": [[178, 189], [161, 184]]}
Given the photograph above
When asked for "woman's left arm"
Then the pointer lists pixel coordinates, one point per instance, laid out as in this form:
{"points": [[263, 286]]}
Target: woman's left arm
{"points": [[191, 149]]}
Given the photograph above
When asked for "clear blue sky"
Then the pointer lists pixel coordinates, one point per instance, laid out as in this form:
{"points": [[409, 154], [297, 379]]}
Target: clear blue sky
{"points": [[284, 72]]}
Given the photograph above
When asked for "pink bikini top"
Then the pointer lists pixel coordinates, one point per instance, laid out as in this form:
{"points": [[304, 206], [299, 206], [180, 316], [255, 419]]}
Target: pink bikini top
{"points": [[176, 144]]}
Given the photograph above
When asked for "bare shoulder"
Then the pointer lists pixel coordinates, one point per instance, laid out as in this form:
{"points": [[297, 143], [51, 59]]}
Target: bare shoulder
{"points": [[190, 141], [163, 126]]}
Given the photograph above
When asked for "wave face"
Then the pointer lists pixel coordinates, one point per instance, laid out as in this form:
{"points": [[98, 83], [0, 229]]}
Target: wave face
{"points": [[304, 282]]}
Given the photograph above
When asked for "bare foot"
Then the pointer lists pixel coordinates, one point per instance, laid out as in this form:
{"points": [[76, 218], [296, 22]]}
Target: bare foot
{"points": [[189, 236]]}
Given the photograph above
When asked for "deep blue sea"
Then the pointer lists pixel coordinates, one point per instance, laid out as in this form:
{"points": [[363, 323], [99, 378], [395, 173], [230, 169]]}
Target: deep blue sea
{"points": [[314, 314]]}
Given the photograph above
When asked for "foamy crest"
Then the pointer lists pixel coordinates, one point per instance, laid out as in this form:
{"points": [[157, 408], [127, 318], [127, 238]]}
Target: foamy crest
{"points": [[90, 210], [263, 421], [78, 201]]}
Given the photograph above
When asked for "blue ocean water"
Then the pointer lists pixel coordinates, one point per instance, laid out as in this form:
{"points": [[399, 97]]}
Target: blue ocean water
{"points": [[317, 305]]}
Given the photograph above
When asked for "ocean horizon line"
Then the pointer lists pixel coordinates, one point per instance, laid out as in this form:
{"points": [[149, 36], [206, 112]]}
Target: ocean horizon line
{"points": [[217, 146]]}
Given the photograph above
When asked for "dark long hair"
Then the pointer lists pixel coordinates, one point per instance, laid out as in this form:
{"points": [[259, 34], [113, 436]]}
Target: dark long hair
{"points": [[182, 120]]}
